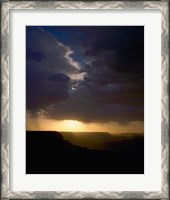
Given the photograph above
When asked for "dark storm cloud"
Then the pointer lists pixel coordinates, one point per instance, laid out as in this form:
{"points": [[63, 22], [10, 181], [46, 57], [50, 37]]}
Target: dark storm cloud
{"points": [[36, 56], [59, 78], [45, 89], [115, 74], [90, 104], [116, 55], [46, 66], [112, 58]]}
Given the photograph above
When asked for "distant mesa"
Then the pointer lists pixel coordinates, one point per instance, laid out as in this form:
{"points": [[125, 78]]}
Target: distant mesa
{"points": [[48, 152], [53, 135]]}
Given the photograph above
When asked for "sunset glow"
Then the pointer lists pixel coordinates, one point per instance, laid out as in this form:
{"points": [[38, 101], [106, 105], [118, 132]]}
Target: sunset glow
{"points": [[73, 125], [78, 126]]}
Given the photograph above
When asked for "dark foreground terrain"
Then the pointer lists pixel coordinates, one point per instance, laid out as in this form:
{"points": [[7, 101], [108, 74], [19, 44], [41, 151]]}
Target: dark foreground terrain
{"points": [[48, 153]]}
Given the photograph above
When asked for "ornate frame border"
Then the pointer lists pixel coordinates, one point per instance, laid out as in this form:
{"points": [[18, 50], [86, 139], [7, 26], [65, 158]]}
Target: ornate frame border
{"points": [[5, 8]]}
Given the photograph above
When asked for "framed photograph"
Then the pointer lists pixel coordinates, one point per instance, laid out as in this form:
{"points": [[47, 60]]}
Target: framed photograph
{"points": [[84, 105]]}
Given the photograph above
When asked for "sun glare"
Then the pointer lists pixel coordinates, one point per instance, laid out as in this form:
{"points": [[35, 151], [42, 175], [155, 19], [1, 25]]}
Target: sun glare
{"points": [[71, 125], [78, 126]]}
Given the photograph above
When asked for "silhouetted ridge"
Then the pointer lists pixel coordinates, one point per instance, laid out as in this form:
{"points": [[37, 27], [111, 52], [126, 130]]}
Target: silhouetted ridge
{"points": [[48, 153], [44, 134]]}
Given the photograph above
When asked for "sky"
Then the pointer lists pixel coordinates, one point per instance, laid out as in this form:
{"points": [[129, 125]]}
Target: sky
{"points": [[85, 78]]}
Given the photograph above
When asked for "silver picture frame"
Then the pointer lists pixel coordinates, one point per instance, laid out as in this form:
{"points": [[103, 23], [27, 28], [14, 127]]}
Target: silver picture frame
{"points": [[6, 6]]}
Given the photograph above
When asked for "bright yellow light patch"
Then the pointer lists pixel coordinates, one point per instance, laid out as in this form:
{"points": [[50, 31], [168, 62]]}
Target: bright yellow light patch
{"points": [[71, 125], [74, 125]]}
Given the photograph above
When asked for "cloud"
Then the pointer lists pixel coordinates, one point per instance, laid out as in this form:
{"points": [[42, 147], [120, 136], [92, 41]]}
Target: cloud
{"points": [[33, 55], [108, 85], [42, 92], [115, 73], [48, 69], [83, 106], [44, 50]]}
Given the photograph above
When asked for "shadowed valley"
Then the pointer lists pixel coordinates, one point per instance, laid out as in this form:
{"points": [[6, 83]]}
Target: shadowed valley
{"points": [[51, 152]]}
